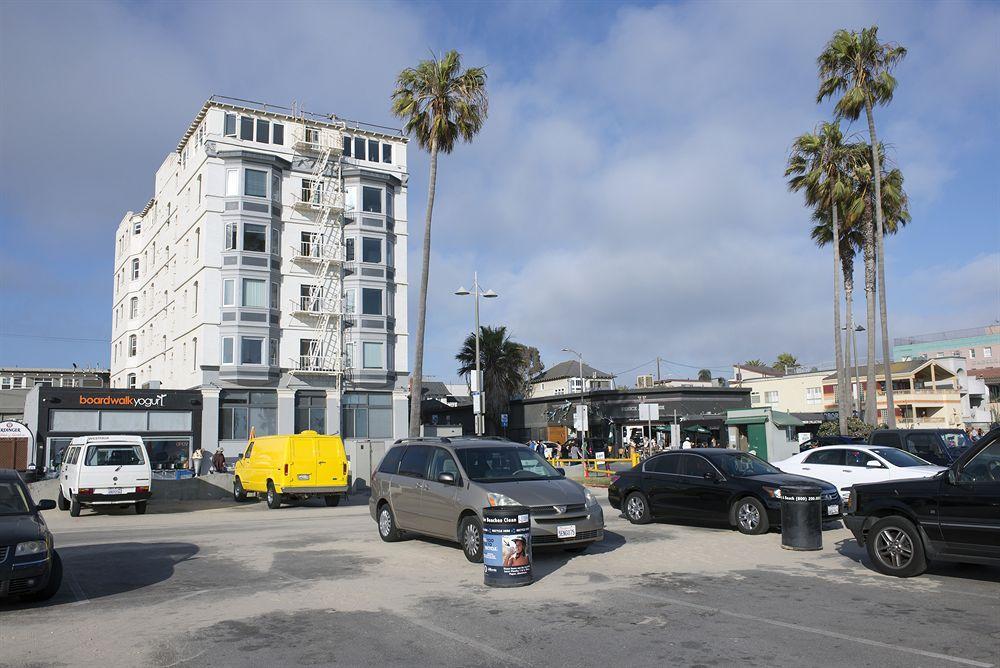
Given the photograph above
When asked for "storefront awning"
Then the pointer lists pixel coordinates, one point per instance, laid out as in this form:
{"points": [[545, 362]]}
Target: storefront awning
{"points": [[785, 419]]}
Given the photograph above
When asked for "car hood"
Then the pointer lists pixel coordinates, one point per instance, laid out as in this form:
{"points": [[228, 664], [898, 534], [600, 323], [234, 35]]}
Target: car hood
{"points": [[904, 472], [20, 528], [538, 492], [779, 479]]}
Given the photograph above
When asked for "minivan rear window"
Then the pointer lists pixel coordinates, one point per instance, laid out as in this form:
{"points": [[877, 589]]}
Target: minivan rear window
{"points": [[414, 461], [391, 460], [113, 454]]}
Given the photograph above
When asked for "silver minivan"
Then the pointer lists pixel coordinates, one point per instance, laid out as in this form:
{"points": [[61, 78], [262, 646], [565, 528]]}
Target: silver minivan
{"points": [[439, 487]]}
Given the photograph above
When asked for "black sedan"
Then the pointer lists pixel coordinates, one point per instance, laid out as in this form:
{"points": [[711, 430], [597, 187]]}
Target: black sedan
{"points": [[30, 568], [710, 484]]}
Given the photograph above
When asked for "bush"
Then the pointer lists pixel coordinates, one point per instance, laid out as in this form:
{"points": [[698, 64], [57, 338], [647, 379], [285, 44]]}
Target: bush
{"points": [[855, 427]]}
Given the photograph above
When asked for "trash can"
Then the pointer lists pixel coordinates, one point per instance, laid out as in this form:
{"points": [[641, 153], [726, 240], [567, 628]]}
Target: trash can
{"points": [[801, 517], [507, 546]]}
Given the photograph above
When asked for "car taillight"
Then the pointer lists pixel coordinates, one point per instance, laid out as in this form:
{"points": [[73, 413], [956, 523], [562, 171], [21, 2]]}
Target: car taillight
{"points": [[85, 490], [286, 469], [141, 490]]}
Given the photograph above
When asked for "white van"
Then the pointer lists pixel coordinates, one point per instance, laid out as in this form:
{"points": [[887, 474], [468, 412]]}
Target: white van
{"points": [[104, 470]]}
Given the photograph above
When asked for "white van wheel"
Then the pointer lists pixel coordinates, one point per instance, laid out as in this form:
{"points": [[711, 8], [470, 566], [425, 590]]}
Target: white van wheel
{"points": [[74, 508], [61, 501]]}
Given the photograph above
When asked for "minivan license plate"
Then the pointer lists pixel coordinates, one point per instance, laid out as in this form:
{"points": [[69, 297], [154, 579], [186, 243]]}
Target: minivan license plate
{"points": [[833, 510], [568, 531], [114, 490]]}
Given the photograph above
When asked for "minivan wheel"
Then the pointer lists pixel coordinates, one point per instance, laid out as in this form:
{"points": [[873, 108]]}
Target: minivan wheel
{"points": [[273, 498], [140, 507], [895, 548], [471, 535], [61, 501], [74, 508], [636, 508], [750, 516], [239, 494], [387, 524]]}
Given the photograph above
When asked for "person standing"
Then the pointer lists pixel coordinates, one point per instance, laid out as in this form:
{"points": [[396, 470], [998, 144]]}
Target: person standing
{"points": [[686, 445], [196, 457], [219, 461]]}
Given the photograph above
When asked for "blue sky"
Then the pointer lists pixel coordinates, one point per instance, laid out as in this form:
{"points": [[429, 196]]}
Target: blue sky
{"points": [[625, 198]]}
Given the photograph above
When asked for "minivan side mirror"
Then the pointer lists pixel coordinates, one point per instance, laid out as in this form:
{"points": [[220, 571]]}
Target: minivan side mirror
{"points": [[446, 478], [561, 471], [46, 504]]}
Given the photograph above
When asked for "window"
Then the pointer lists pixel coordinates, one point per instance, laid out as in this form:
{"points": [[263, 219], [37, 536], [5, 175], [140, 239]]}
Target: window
{"points": [[308, 353], [272, 352], [194, 354], [229, 129], [386, 152], [771, 397], [858, 458], [371, 301], [130, 381], [197, 243], [664, 464], [246, 128], [359, 148], [347, 146], [311, 191], [232, 233], [826, 457], [137, 227], [239, 411], [981, 469], [373, 150], [198, 181], [371, 200], [886, 439], [227, 350], [372, 354], [308, 244], [251, 350], [390, 463], [133, 345], [263, 130], [254, 183], [254, 238], [349, 251], [135, 268], [371, 250], [349, 300], [194, 294], [278, 135], [133, 307], [814, 395], [695, 466], [275, 188], [349, 355], [987, 351], [367, 415], [254, 293], [414, 461], [232, 182], [923, 445], [6, 383], [442, 462], [309, 298], [972, 353], [310, 412]]}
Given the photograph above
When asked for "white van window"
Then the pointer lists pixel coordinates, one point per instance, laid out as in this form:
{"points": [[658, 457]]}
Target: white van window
{"points": [[71, 457], [114, 455]]}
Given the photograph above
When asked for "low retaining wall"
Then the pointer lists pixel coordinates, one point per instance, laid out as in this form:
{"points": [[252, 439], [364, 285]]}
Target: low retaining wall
{"points": [[211, 487]]}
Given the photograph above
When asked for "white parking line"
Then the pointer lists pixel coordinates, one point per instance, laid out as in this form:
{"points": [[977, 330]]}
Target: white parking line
{"points": [[493, 652], [809, 629]]}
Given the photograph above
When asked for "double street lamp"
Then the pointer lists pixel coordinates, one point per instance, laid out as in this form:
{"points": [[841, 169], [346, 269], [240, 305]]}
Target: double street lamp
{"points": [[478, 397]]}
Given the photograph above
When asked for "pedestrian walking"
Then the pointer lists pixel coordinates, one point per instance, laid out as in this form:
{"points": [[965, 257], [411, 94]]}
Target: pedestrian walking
{"points": [[196, 458], [575, 452]]}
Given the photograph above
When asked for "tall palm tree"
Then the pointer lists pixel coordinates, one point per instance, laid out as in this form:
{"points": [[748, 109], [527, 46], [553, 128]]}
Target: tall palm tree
{"points": [[705, 375], [786, 362], [504, 365], [858, 66], [819, 167], [441, 104]]}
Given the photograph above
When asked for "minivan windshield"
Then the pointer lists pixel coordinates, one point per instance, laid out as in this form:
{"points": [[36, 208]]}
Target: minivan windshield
{"points": [[743, 465], [114, 454], [504, 463], [898, 457], [12, 499]]}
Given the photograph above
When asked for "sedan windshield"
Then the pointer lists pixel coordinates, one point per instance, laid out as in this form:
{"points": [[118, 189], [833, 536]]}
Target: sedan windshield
{"points": [[743, 465], [12, 499], [898, 457], [505, 464]]}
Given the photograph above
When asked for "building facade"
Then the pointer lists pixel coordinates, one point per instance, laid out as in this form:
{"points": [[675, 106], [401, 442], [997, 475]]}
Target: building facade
{"points": [[15, 378], [268, 272], [977, 345], [564, 379]]}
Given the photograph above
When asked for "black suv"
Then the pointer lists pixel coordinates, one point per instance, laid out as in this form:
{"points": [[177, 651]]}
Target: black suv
{"points": [[954, 516], [938, 446]]}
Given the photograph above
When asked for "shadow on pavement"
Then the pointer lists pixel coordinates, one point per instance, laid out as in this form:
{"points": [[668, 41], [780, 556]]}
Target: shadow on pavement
{"points": [[849, 548], [96, 571], [547, 560]]}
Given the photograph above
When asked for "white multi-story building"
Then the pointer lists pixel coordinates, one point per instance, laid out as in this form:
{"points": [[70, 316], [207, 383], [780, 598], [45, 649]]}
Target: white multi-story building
{"points": [[269, 271]]}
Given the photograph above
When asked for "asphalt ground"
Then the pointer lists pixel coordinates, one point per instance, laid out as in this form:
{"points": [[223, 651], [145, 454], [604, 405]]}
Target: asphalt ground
{"points": [[240, 585]]}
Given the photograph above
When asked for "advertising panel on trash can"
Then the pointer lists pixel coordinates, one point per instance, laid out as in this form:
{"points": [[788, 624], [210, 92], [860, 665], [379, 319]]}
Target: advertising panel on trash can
{"points": [[507, 546]]}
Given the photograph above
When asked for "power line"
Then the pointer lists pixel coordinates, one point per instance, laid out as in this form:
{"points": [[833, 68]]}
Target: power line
{"points": [[53, 338]]}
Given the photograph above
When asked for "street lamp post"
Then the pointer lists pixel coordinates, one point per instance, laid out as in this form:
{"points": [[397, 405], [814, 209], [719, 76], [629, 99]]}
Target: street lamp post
{"points": [[857, 366], [478, 396], [583, 389]]}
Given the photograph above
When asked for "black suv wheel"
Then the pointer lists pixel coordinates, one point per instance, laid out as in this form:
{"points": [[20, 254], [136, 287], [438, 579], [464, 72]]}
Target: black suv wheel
{"points": [[895, 547]]}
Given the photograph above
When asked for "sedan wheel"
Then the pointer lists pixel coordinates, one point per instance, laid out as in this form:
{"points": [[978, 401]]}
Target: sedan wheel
{"points": [[636, 509], [750, 516]]}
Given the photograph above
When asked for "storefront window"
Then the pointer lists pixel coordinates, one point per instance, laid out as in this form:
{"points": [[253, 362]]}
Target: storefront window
{"points": [[242, 410], [168, 453], [310, 412], [367, 415]]}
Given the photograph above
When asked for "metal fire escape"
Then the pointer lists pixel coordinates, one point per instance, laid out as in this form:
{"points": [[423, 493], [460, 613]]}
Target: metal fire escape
{"points": [[321, 198]]}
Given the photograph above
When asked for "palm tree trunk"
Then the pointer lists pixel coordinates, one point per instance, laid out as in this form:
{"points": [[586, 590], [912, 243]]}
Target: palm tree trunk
{"points": [[890, 412], [841, 403], [871, 397], [417, 379]]}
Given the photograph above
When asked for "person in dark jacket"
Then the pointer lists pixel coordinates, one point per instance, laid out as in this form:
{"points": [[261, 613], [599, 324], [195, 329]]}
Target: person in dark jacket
{"points": [[219, 461]]}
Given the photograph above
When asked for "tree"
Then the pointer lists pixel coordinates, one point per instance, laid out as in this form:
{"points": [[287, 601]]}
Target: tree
{"points": [[859, 67], [754, 362], [504, 368], [786, 362], [705, 374], [820, 167], [533, 364], [855, 427], [441, 104]]}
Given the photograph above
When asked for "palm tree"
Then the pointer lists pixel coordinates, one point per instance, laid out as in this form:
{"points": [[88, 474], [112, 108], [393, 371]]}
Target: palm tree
{"points": [[857, 65], [753, 362], [504, 365], [440, 104], [705, 374], [819, 167], [786, 362]]}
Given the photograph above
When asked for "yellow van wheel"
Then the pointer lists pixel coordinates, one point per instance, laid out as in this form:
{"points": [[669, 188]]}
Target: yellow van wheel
{"points": [[273, 498], [332, 501]]}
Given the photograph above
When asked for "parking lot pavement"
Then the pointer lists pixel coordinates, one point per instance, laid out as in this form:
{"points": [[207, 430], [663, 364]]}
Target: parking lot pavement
{"points": [[236, 585]]}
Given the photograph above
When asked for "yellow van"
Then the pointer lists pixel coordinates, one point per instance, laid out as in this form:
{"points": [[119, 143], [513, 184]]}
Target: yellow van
{"points": [[293, 467]]}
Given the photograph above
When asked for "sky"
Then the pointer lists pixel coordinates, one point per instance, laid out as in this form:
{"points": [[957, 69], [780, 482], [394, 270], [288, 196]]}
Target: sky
{"points": [[625, 198]]}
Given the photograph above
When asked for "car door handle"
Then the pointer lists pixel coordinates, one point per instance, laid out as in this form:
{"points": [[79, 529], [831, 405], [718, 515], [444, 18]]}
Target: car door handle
{"points": [[806, 468], [847, 470]]}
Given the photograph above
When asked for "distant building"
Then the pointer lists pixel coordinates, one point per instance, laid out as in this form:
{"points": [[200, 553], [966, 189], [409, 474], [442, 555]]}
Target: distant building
{"points": [[990, 376], [743, 372], [977, 345], [564, 379], [13, 378], [647, 381], [800, 394]]}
